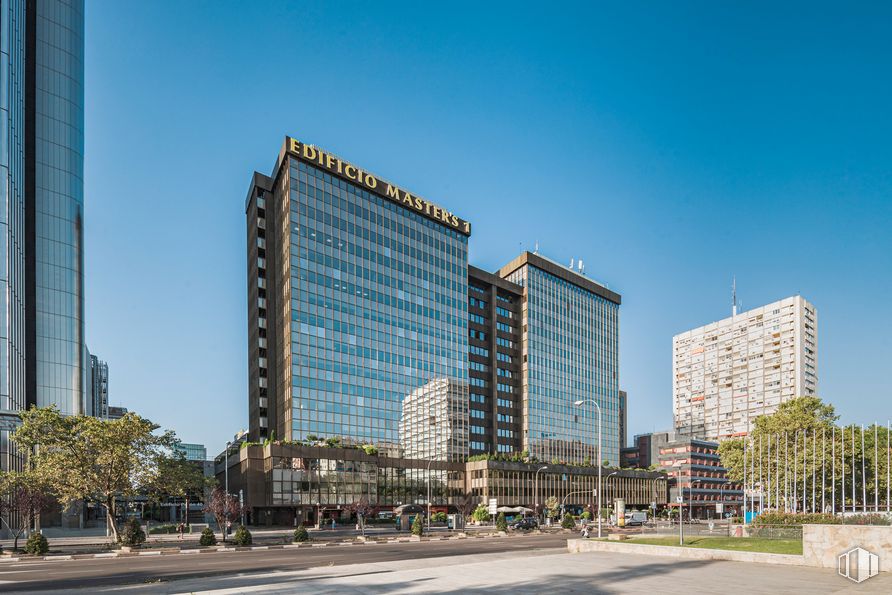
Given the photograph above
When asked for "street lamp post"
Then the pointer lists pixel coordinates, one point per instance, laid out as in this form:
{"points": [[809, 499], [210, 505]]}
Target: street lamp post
{"points": [[722, 496], [600, 457], [536, 486], [226, 481], [681, 509], [226, 470], [653, 491], [612, 492], [429, 494]]}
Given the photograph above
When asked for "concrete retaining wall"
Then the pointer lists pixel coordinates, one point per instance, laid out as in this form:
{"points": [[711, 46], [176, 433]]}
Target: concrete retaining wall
{"points": [[584, 545], [822, 544]]}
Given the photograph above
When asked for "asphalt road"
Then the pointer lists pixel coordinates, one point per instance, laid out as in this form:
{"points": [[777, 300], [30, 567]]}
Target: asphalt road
{"points": [[55, 576]]}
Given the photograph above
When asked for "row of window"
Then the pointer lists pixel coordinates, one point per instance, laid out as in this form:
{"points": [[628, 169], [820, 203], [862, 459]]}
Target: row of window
{"points": [[472, 301]]}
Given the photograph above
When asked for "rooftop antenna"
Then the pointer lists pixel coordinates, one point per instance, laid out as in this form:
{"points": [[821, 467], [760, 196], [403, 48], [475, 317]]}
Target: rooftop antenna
{"points": [[571, 263], [536, 251], [581, 267], [734, 296]]}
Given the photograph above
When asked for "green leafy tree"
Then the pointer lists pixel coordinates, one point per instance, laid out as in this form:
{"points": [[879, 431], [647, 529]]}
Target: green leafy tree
{"points": [[80, 457], [37, 544], [301, 534], [480, 514], [176, 477], [586, 516], [551, 507], [207, 537], [567, 522], [132, 535], [417, 526], [501, 522], [242, 536], [23, 496]]}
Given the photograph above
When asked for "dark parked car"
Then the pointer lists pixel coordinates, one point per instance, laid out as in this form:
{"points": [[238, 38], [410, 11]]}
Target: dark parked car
{"points": [[525, 524]]}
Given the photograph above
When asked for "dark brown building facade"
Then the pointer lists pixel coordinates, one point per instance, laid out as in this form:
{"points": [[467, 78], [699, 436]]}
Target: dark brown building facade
{"points": [[494, 363]]}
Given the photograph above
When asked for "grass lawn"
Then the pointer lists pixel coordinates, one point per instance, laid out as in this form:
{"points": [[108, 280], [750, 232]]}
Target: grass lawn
{"points": [[738, 544]]}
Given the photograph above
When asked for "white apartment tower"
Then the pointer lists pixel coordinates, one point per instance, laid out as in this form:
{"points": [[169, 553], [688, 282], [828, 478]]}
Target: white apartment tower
{"points": [[728, 373]]}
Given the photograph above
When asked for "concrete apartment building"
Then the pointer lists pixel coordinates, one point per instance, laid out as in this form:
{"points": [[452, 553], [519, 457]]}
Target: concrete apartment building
{"points": [[726, 374]]}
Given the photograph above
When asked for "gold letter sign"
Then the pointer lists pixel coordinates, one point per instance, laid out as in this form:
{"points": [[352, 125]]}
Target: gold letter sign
{"points": [[350, 172]]}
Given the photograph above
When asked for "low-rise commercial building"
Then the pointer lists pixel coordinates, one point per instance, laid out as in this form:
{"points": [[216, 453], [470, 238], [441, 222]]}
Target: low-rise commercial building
{"points": [[288, 483], [696, 475]]}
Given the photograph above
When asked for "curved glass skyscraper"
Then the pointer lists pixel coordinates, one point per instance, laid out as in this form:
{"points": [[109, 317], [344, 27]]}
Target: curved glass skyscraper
{"points": [[58, 205], [42, 354]]}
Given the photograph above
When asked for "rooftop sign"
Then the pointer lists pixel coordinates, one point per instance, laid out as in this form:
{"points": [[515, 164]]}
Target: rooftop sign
{"points": [[348, 171]]}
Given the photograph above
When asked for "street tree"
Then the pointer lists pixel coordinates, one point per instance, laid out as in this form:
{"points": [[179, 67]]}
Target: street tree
{"points": [[361, 508], [23, 496], [176, 477], [79, 457], [224, 507], [466, 502], [783, 428], [552, 504]]}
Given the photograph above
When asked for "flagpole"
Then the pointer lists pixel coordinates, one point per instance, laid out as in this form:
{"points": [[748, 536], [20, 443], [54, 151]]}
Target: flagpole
{"points": [[833, 469]]}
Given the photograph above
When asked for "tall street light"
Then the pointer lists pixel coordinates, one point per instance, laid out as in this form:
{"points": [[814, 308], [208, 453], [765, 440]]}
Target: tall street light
{"points": [[536, 498], [429, 494], [653, 491], [228, 444], [600, 457], [612, 493], [226, 498]]}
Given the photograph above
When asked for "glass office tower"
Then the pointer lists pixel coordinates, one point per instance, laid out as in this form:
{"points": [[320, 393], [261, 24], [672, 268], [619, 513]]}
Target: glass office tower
{"points": [[570, 353], [42, 353], [12, 224], [58, 202], [357, 310]]}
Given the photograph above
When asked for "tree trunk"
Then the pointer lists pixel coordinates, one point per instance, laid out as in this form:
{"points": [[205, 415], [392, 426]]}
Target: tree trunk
{"points": [[110, 518]]}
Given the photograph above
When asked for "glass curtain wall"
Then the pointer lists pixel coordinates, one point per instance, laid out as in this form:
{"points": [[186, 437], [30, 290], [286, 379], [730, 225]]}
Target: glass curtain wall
{"points": [[378, 343]]}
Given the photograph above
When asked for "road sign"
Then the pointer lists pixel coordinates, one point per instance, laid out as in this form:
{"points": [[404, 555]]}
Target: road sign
{"points": [[493, 506], [679, 499], [719, 508]]}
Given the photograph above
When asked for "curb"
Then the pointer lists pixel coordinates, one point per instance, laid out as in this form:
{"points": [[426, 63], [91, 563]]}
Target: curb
{"points": [[208, 550]]}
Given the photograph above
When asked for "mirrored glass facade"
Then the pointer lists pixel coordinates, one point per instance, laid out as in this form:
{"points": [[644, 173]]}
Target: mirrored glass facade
{"points": [[378, 316], [59, 203], [360, 329], [12, 217], [42, 352], [571, 353]]}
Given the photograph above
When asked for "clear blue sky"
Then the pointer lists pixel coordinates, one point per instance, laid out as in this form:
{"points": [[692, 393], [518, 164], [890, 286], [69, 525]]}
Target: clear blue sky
{"points": [[669, 145]]}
